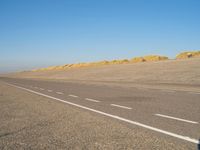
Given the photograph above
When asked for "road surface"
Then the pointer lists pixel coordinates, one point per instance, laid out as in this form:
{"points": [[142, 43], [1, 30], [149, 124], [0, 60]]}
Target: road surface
{"points": [[167, 115]]}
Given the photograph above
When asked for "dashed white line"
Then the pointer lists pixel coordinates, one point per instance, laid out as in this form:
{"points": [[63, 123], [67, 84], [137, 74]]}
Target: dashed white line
{"points": [[41, 89], [194, 93], [169, 91], [174, 118], [92, 100], [125, 107], [73, 95], [50, 90], [186, 138], [59, 93]]}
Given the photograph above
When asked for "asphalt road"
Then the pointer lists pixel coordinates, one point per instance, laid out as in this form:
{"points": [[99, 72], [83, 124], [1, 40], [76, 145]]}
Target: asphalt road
{"points": [[169, 115]]}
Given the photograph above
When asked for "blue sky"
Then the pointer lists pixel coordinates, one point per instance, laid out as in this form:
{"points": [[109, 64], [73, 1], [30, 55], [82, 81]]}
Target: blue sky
{"points": [[40, 33]]}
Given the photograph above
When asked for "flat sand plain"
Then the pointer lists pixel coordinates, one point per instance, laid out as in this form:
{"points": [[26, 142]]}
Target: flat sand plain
{"points": [[173, 74]]}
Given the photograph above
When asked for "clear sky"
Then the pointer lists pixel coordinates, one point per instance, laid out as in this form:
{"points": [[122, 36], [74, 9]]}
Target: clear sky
{"points": [[40, 33]]}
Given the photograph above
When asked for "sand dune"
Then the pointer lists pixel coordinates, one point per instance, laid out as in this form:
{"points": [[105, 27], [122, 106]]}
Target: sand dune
{"points": [[102, 63], [189, 54], [176, 72], [149, 58], [152, 72]]}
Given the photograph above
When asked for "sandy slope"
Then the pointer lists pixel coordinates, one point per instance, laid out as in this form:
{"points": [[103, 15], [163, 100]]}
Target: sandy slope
{"points": [[182, 73]]}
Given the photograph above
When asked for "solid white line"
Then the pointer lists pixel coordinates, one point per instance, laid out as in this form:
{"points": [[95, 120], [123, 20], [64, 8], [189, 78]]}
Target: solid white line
{"points": [[114, 116], [120, 106], [49, 90], [73, 95], [59, 93], [179, 119], [92, 100], [41, 89]]}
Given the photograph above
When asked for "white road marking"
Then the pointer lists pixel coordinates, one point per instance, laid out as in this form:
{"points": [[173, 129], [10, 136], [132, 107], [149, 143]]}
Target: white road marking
{"points": [[92, 100], [73, 95], [59, 93], [194, 93], [114, 116], [169, 91], [120, 106], [50, 90], [179, 119], [41, 89]]}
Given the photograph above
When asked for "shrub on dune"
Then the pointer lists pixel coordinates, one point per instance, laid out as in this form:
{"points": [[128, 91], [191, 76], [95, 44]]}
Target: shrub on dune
{"points": [[123, 61], [103, 62], [113, 62], [149, 58], [66, 66], [138, 59], [189, 54], [155, 58]]}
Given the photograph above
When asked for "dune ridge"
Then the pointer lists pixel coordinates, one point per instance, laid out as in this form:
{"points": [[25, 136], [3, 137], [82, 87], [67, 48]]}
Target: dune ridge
{"points": [[148, 58], [173, 73], [105, 62]]}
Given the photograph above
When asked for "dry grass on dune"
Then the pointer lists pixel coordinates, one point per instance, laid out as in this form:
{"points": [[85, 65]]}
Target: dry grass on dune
{"points": [[189, 54], [124, 61], [184, 72], [138, 59], [101, 63], [155, 58], [148, 58]]}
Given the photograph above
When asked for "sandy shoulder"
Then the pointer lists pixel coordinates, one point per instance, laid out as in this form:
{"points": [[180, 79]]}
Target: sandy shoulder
{"points": [[172, 74]]}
